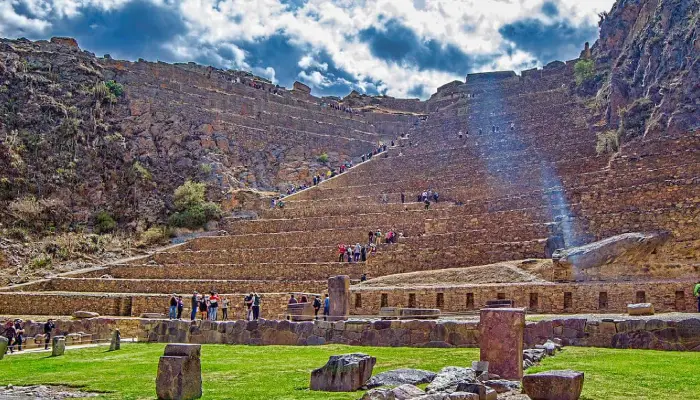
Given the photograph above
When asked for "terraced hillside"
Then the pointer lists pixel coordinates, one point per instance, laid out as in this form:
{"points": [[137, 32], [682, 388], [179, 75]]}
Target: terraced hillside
{"points": [[502, 194], [516, 160]]}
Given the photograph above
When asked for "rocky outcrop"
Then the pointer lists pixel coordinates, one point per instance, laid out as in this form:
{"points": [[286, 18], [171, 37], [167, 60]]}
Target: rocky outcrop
{"points": [[625, 249], [343, 373], [650, 48]]}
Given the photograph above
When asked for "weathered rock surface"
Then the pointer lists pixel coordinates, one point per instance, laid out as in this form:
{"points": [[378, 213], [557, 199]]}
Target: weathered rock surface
{"points": [[401, 376], [554, 385], [406, 392], [502, 385], [484, 392], [343, 373], [449, 377], [627, 248], [85, 314]]}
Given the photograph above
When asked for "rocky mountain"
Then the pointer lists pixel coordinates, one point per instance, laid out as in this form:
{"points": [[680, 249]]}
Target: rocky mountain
{"points": [[650, 52]]}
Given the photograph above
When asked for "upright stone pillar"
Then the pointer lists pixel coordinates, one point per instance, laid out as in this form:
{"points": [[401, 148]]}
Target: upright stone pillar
{"points": [[501, 340], [115, 343], [339, 294], [180, 373], [58, 346]]}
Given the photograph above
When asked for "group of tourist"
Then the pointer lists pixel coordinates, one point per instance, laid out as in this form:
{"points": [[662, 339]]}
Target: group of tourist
{"points": [[316, 304], [380, 149], [207, 306], [359, 252], [338, 107], [14, 333]]}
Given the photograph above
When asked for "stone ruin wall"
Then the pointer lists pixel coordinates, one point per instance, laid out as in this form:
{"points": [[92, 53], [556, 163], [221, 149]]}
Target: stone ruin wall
{"points": [[619, 333], [560, 298], [648, 333]]}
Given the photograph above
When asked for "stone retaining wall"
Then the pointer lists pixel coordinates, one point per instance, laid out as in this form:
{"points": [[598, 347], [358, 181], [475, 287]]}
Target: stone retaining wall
{"points": [[682, 335]]}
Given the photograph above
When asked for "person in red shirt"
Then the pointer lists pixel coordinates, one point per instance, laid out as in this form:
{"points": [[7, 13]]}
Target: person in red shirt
{"points": [[341, 251]]}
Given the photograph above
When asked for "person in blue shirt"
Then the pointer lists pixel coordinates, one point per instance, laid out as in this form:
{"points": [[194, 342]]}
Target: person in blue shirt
{"points": [[326, 308]]}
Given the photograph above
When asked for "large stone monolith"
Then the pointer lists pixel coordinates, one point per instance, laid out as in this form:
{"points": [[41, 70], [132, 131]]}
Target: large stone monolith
{"points": [[501, 340], [339, 294], [180, 373], [58, 346]]}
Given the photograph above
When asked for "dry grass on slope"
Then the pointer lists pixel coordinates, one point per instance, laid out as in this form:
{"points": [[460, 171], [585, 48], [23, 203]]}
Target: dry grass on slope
{"points": [[503, 272]]}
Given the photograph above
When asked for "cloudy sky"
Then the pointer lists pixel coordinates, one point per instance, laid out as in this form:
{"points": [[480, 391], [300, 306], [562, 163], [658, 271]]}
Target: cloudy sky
{"points": [[403, 48]]}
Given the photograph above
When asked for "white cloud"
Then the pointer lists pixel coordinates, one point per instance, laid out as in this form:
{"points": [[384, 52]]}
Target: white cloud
{"points": [[331, 27]]}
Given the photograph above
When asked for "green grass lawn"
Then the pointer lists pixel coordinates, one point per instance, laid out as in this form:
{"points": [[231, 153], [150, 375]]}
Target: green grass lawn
{"points": [[282, 372]]}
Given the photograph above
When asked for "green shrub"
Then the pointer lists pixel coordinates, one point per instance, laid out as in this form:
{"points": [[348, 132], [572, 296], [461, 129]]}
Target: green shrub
{"points": [[196, 216], [607, 142], [104, 222], [323, 158], [193, 211], [115, 88], [143, 173], [189, 194], [584, 70], [155, 235], [40, 261], [206, 168]]}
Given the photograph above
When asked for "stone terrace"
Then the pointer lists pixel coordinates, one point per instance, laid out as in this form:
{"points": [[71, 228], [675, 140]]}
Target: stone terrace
{"points": [[501, 195]]}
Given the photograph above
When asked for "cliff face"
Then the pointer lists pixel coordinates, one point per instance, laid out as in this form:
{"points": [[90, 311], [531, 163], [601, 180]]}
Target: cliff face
{"points": [[68, 141], [651, 48]]}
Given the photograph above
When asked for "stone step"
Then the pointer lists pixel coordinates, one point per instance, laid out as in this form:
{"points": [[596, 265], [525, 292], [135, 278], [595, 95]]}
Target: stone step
{"points": [[181, 285], [260, 271]]}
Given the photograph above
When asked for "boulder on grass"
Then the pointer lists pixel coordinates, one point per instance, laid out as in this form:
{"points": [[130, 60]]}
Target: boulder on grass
{"points": [[449, 377], [85, 314], [640, 309], [343, 373], [180, 373], [554, 385], [399, 377]]}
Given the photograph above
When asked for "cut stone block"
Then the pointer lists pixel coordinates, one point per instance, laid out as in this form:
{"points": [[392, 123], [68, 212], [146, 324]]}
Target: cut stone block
{"points": [[180, 373], [85, 314], [501, 341], [115, 343], [554, 385], [58, 346], [640, 309], [399, 377], [343, 373]]}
